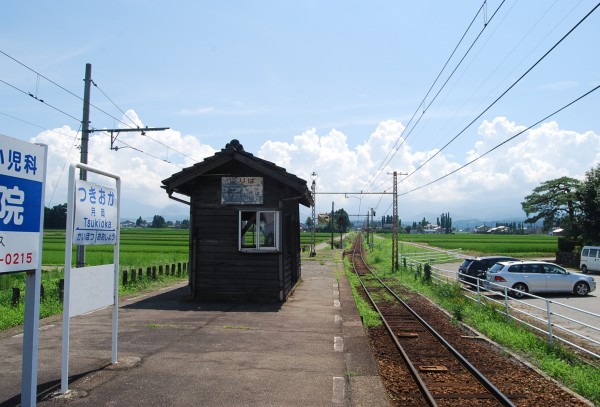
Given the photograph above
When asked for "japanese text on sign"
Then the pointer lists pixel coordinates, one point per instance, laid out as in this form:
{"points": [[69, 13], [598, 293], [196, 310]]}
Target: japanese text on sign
{"points": [[242, 190], [95, 214], [21, 189]]}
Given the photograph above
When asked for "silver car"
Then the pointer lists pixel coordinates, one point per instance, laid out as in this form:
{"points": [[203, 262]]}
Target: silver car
{"points": [[536, 277]]}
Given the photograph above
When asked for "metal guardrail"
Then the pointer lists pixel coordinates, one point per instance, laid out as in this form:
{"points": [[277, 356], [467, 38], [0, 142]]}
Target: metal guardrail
{"points": [[436, 256], [548, 320]]}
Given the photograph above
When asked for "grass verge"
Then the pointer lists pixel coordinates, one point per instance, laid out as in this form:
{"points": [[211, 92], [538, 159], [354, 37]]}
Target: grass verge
{"points": [[12, 315], [558, 362]]}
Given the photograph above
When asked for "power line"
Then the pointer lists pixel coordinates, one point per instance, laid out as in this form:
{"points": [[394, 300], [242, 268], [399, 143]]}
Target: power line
{"points": [[64, 166], [494, 102], [147, 154], [31, 124], [504, 142], [39, 74], [39, 100], [57, 85], [504, 93], [135, 126], [92, 105], [392, 152], [114, 104]]}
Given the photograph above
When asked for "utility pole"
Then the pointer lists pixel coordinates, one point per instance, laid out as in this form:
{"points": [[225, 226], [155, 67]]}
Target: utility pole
{"points": [[373, 226], [313, 252], [85, 136], [395, 255], [395, 226], [368, 229], [331, 223]]}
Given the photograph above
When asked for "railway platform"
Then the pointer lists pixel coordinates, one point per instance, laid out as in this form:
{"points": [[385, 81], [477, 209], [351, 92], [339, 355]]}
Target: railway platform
{"points": [[309, 351]]}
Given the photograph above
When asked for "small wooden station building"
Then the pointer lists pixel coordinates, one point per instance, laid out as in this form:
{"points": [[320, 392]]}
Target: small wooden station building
{"points": [[244, 226]]}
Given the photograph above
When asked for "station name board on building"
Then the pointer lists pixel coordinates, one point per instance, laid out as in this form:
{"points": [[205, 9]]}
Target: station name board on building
{"points": [[242, 190]]}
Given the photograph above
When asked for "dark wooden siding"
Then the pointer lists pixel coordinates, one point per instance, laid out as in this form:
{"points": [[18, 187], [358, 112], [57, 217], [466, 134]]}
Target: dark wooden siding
{"points": [[220, 270], [291, 247]]}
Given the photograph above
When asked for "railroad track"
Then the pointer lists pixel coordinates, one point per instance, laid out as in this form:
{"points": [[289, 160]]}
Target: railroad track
{"points": [[441, 374]]}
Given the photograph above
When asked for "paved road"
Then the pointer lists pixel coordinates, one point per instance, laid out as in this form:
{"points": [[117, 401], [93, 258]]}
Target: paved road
{"points": [[560, 305]]}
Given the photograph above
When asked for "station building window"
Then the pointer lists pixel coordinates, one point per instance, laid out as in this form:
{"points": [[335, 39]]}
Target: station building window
{"points": [[259, 231]]}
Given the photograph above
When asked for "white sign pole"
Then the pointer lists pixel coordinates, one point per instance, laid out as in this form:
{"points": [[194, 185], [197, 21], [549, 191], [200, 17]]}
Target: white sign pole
{"points": [[116, 263], [64, 377], [91, 219]]}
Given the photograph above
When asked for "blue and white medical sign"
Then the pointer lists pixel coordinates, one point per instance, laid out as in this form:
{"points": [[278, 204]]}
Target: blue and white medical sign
{"points": [[96, 214], [22, 172]]}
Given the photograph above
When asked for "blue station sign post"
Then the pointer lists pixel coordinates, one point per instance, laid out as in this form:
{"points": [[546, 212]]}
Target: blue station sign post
{"points": [[22, 185]]}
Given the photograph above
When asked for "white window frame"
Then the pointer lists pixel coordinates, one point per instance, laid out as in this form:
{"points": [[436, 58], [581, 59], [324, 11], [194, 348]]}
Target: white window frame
{"points": [[258, 237]]}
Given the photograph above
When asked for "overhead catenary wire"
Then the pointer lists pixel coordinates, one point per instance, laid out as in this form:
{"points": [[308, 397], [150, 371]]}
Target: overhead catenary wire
{"points": [[549, 51], [392, 152], [75, 139], [31, 124], [65, 113], [39, 75], [135, 126], [57, 85], [505, 92], [503, 143], [113, 103], [496, 146], [39, 100]]}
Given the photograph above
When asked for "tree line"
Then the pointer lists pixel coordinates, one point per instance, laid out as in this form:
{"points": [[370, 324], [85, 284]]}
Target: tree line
{"points": [[56, 218], [569, 204]]}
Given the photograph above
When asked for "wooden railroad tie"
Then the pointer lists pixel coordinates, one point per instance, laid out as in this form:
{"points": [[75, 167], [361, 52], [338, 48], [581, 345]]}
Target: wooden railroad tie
{"points": [[433, 368], [407, 334]]}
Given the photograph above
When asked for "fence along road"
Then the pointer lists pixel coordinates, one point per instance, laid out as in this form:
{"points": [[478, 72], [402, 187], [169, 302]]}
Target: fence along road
{"points": [[572, 317]]}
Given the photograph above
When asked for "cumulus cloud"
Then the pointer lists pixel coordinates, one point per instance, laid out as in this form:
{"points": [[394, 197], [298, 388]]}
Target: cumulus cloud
{"points": [[490, 186], [493, 185]]}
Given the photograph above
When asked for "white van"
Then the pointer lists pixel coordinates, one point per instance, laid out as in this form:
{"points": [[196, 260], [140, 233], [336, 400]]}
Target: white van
{"points": [[590, 259]]}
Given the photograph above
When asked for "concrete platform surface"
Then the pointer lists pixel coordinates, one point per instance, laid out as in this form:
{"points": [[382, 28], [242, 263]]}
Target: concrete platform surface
{"points": [[309, 351]]}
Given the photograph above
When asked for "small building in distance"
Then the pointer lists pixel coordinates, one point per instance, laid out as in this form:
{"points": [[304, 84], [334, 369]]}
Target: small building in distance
{"points": [[244, 226]]}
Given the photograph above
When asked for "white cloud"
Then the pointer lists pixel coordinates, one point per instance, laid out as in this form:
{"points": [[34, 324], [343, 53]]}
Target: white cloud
{"points": [[492, 186]]}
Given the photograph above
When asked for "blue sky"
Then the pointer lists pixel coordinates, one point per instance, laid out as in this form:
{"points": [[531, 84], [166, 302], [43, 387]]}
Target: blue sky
{"points": [[323, 86]]}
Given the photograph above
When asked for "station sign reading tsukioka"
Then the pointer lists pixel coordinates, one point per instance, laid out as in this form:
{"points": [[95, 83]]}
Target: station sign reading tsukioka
{"points": [[242, 190]]}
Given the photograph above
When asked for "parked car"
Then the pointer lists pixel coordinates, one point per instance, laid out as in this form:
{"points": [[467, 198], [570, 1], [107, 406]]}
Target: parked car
{"points": [[536, 277], [590, 259], [473, 268]]}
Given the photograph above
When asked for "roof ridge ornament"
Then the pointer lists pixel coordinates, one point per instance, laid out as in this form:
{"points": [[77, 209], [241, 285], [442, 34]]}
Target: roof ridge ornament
{"points": [[234, 145]]}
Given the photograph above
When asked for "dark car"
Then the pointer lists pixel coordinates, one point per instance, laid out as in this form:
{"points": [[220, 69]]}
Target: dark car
{"points": [[473, 268]]}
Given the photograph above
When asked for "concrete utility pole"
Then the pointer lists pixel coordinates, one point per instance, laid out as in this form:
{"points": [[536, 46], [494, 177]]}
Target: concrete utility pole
{"points": [[331, 223], [395, 266], [373, 227], [368, 229], [395, 225], [85, 136], [313, 252]]}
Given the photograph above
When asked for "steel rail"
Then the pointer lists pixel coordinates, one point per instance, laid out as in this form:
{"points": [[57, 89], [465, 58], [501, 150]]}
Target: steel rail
{"points": [[490, 387], [424, 390]]}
